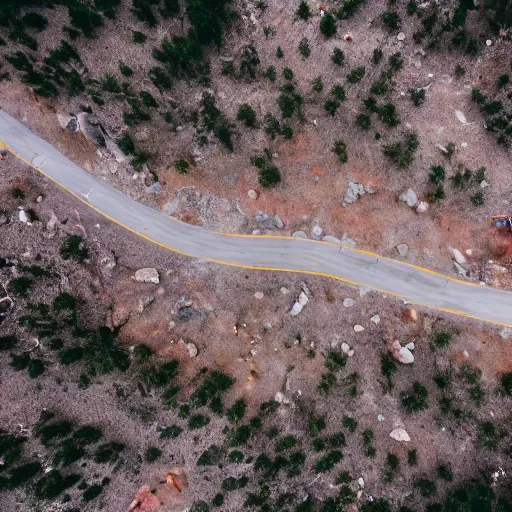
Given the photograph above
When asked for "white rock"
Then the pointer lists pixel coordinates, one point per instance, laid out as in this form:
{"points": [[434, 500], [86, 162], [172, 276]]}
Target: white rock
{"points": [[360, 481], [375, 319], [469, 252], [256, 232], [400, 36], [464, 145], [380, 418], [331, 239], [192, 349], [404, 356], [317, 232], [350, 353], [40, 198], [410, 345], [348, 303], [259, 295], [299, 304], [465, 354], [460, 116], [279, 224], [284, 290], [400, 434], [430, 75], [147, 275], [300, 234], [345, 347], [422, 207], [457, 256], [280, 398], [252, 194], [358, 328], [172, 325], [347, 241], [460, 269], [23, 216], [50, 225], [403, 250], [488, 42], [409, 197], [484, 184]]}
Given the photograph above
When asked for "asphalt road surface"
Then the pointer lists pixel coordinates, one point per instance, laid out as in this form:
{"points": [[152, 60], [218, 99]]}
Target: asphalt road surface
{"points": [[417, 285]]}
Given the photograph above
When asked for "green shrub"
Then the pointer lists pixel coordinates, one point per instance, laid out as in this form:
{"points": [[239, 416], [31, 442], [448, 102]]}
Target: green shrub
{"points": [[182, 166], [249, 62], [287, 74], [377, 56], [279, 52], [318, 85], [216, 382], [236, 456], [444, 472], [108, 452], [8, 342], [387, 114], [416, 399], [171, 432], [437, 194], [237, 411], [304, 48], [22, 474], [87, 434], [20, 362], [441, 339], [492, 107], [198, 421], [425, 487], [331, 106], [335, 360], [152, 454], [364, 121], [92, 492], [125, 69], [218, 500], [349, 8], [74, 247], [350, 423], [50, 432], [412, 457], [316, 424], [327, 462], [396, 62], [437, 174], [285, 443], [239, 436], [478, 199], [338, 92], [223, 133], [303, 11], [356, 75], [391, 467], [502, 81], [160, 78], [19, 61], [148, 100], [328, 25], [269, 176], [199, 506], [35, 20], [20, 286], [388, 367], [53, 483], [232, 484], [110, 84], [402, 152], [270, 73], [417, 96], [71, 355], [35, 368], [68, 453], [84, 19], [338, 57], [391, 20], [376, 505], [247, 114]]}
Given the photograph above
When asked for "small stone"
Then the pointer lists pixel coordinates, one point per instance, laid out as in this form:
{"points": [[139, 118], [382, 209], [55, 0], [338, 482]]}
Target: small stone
{"points": [[488, 42], [460, 116], [331, 239], [172, 325], [350, 353], [144, 302], [405, 356], [403, 250], [358, 328], [23, 217], [363, 291], [280, 398], [3, 219], [348, 303], [410, 345], [375, 319], [279, 224], [400, 36], [300, 234], [469, 252], [410, 315], [345, 347], [256, 232], [380, 418], [317, 232], [262, 217], [505, 333], [360, 481], [464, 145], [252, 194], [147, 275], [192, 349], [299, 304], [284, 291], [458, 256], [409, 197], [465, 354], [484, 184], [422, 207], [430, 75], [400, 434], [259, 295], [39, 199]]}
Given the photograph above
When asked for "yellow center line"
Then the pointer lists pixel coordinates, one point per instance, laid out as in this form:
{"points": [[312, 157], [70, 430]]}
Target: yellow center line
{"points": [[277, 269]]}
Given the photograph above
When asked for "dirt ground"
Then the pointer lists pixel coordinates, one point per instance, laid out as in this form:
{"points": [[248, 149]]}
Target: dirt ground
{"points": [[314, 183], [278, 362]]}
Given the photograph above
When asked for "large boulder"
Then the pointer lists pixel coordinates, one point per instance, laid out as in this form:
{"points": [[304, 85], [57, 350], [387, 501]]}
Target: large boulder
{"points": [[147, 275]]}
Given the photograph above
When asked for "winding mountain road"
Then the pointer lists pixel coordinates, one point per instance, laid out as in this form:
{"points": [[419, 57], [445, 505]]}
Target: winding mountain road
{"points": [[276, 253]]}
